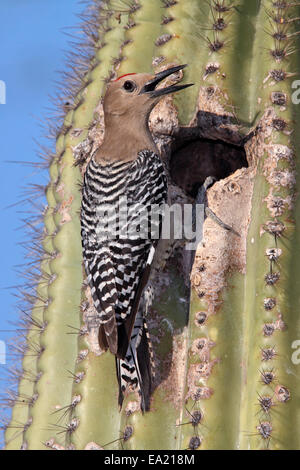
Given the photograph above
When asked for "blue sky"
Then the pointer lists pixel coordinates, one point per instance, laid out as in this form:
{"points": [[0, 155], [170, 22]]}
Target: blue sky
{"points": [[32, 45]]}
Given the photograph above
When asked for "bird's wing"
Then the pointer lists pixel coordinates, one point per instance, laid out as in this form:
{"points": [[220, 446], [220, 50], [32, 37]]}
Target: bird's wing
{"points": [[151, 192], [125, 329], [101, 279], [118, 269], [101, 189]]}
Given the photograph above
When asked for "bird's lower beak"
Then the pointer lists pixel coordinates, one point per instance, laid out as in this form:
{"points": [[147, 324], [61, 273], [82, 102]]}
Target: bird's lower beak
{"points": [[150, 86]]}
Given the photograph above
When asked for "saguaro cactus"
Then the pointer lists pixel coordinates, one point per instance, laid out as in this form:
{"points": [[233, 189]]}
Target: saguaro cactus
{"points": [[226, 371]]}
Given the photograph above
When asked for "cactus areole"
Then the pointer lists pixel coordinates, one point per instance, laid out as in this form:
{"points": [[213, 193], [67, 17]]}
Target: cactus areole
{"points": [[224, 324]]}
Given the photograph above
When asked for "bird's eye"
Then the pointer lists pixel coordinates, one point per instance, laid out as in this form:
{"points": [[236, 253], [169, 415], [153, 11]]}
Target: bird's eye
{"points": [[129, 86]]}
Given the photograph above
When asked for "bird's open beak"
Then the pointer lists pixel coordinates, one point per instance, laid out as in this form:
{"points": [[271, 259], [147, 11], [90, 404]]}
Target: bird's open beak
{"points": [[149, 87]]}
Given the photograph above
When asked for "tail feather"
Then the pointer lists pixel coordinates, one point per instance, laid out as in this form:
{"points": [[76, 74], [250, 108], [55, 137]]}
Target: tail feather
{"points": [[143, 356], [135, 371], [136, 368]]}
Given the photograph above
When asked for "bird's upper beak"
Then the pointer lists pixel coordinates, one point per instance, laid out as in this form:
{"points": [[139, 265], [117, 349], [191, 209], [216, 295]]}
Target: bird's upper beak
{"points": [[149, 87]]}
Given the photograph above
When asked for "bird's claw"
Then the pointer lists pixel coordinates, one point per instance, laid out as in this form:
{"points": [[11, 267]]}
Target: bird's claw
{"points": [[202, 199]]}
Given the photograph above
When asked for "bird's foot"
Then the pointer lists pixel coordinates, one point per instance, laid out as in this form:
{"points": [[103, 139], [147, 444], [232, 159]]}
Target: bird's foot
{"points": [[215, 218]]}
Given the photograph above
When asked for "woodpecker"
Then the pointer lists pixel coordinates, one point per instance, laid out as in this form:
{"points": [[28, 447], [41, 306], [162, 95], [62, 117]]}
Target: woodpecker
{"points": [[125, 168]]}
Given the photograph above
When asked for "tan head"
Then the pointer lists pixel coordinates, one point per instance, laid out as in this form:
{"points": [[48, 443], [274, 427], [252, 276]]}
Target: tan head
{"points": [[123, 97], [128, 103]]}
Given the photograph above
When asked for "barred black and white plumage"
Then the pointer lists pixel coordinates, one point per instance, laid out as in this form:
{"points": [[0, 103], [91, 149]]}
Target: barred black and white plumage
{"points": [[117, 258]]}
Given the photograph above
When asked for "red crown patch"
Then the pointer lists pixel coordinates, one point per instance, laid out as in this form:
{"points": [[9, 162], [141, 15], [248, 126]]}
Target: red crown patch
{"points": [[125, 75]]}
